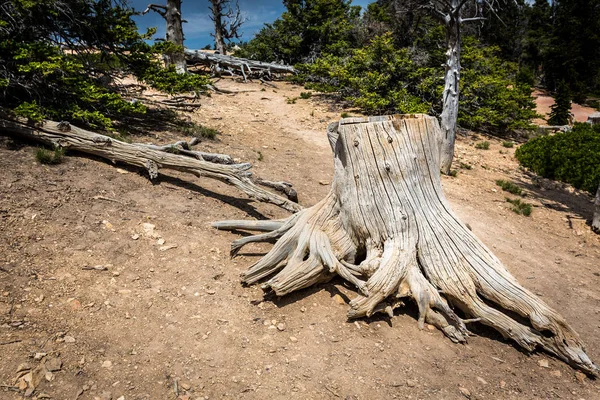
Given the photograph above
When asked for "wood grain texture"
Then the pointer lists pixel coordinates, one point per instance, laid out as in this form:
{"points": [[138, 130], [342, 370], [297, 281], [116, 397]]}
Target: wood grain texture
{"points": [[387, 228]]}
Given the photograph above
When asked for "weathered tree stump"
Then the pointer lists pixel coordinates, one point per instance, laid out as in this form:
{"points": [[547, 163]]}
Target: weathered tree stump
{"points": [[386, 228]]}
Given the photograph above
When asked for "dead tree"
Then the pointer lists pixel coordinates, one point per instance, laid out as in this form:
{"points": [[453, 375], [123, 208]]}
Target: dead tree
{"points": [[228, 22], [178, 156], [596, 217], [172, 15], [386, 228], [247, 68], [449, 12]]}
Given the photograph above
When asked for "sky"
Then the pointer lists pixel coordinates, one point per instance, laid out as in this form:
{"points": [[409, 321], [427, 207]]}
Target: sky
{"points": [[199, 27]]}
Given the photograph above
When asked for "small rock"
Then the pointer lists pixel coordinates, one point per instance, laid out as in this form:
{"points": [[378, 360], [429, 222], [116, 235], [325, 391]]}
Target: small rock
{"points": [[107, 364], [160, 241], [338, 299], [39, 356], [430, 327], [23, 367], [502, 384], [39, 299], [556, 373], [53, 364], [69, 339], [121, 398], [324, 183], [302, 309], [465, 392], [135, 236], [480, 379], [167, 247], [122, 171], [75, 305], [185, 386], [211, 291], [293, 339], [580, 376], [543, 363], [281, 326], [411, 383], [49, 376]]}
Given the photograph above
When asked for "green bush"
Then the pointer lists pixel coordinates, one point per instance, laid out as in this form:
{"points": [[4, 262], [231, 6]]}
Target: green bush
{"points": [[509, 187], [508, 144], [485, 145], [520, 207], [572, 157], [50, 157], [305, 95]]}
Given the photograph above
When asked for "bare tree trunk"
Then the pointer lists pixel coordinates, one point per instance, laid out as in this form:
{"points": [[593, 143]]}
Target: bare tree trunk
{"points": [[386, 228], [451, 88], [175, 35], [217, 17], [172, 15], [596, 218]]}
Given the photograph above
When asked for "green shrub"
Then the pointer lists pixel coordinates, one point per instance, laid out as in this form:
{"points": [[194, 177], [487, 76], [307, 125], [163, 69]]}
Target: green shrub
{"points": [[485, 145], [465, 166], [344, 115], [572, 157], [520, 207], [508, 144], [509, 187], [49, 157], [305, 95]]}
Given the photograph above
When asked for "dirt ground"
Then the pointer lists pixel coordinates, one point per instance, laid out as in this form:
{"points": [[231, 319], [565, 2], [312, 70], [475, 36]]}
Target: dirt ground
{"points": [[544, 102], [154, 321]]}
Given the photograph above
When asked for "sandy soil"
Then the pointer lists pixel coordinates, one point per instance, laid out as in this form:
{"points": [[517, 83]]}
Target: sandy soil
{"points": [[175, 323]]}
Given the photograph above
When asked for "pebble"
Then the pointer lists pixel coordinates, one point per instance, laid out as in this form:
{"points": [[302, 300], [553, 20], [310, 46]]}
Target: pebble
{"points": [[338, 299], [185, 386], [107, 364], [411, 383], [211, 291], [53, 364], [465, 392], [135, 236], [69, 339], [281, 326], [480, 379], [39, 356], [543, 363], [556, 373], [293, 339]]}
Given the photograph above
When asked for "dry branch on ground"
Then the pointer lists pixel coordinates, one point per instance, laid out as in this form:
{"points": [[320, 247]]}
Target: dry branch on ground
{"points": [[150, 157]]}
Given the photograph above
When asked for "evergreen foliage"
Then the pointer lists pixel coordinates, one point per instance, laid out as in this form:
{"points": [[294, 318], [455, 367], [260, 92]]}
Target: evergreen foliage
{"points": [[307, 29], [383, 79], [561, 109], [572, 157], [59, 59]]}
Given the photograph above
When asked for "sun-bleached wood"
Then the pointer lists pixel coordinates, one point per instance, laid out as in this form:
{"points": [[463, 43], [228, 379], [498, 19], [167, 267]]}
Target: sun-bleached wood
{"points": [[152, 158], [386, 228]]}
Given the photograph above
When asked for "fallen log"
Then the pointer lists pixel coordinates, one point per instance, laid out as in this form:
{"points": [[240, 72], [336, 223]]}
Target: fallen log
{"points": [[150, 157], [387, 229], [220, 63]]}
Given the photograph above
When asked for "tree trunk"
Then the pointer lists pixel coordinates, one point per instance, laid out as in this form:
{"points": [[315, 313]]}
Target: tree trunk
{"points": [[596, 218], [175, 35], [451, 89], [218, 21], [150, 157], [386, 228]]}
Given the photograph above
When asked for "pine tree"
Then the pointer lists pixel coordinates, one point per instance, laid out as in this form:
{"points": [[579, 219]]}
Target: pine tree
{"points": [[561, 110]]}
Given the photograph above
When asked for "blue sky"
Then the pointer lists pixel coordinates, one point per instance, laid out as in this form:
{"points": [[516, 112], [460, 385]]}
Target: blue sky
{"points": [[199, 27]]}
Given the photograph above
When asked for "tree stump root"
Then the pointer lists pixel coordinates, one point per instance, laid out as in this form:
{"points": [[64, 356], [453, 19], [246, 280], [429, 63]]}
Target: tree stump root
{"points": [[386, 228]]}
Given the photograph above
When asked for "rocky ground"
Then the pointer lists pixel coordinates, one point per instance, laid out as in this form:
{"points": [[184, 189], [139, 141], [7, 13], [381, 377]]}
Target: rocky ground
{"points": [[113, 287]]}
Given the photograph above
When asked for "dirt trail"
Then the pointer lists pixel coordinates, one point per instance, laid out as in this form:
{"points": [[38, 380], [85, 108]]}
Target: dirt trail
{"points": [[160, 321], [544, 102]]}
